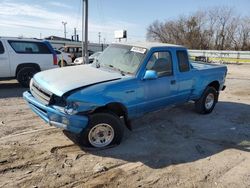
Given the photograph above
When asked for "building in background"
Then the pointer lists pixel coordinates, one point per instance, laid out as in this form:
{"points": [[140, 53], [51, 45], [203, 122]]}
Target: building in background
{"points": [[59, 42]]}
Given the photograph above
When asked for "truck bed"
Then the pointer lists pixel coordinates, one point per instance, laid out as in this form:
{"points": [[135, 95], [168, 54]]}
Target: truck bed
{"points": [[203, 66]]}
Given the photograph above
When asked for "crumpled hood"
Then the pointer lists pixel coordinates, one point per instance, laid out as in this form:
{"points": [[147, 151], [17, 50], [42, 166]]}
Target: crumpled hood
{"points": [[62, 80]]}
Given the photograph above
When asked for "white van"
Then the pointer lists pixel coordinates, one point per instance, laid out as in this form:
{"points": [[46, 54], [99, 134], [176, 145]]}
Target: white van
{"points": [[63, 57], [21, 58]]}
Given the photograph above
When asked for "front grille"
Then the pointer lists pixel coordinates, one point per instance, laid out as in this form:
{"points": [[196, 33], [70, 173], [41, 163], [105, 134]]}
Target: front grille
{"points": [[58, 101], [40, 93]]}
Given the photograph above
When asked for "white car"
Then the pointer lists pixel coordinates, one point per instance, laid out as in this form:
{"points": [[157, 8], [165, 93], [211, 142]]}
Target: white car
{"points": [[81, 60], [94, 56], [63, 57], [78, 61], [21, 58]]}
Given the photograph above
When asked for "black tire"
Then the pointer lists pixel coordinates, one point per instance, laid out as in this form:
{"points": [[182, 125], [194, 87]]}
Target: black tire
{"points": [[102, 118], [200, 105], [64, 64], [25, 74]]}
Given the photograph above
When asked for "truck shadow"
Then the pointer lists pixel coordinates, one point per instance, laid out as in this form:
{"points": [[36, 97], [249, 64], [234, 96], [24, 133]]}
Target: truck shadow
{"points": [[178, 135], [11, 89]]}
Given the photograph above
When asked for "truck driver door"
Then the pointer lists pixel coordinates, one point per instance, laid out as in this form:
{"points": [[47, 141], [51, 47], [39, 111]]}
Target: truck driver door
{"points": [[161, 91]]}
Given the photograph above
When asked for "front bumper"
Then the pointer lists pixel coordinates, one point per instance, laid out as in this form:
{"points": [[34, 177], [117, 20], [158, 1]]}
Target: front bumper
{"points": [[72, 123]]}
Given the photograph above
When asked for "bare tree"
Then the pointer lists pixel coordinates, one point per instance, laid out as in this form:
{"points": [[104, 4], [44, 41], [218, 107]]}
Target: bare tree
{"points": [[156, 32], [244, 34], [218, 28]]}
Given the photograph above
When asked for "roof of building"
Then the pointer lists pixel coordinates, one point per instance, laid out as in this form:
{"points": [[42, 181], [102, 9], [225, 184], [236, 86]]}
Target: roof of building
{"points": [[52, 37]]}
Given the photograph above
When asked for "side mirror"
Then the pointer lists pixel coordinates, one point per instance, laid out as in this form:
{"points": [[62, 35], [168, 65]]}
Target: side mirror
{"points": [[150, 75]]}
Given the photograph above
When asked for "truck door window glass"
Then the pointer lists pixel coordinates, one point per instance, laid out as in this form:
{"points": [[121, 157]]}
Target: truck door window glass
{"points": [[183, 61], [70, 50], [1, 48], [27, 47], [161, 62]]}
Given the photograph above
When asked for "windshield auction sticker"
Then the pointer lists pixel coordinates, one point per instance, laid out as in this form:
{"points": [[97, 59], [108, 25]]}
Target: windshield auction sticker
{"points": [[139, 50]]}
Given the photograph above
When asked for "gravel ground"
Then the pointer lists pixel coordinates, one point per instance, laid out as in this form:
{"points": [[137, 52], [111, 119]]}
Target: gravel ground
{"points": [[174, 147]]}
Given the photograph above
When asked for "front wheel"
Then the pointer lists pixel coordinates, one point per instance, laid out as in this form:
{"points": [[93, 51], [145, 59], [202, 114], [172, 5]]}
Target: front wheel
{"points": [[207, 102], [104, 129]]}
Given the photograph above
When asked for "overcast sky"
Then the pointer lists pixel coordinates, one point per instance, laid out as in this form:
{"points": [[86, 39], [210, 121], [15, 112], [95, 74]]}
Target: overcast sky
{"points": [[32, 18]]}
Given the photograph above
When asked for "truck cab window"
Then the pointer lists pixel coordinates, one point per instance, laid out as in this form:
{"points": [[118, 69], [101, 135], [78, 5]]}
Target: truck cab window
{"points": [[1, 48], [183, 61], [161, 62]]}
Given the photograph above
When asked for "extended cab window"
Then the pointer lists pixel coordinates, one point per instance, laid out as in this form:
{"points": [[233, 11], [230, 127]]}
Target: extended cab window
{"points": [[161, 62], [183, 61], [1, 48], [27, 47]]}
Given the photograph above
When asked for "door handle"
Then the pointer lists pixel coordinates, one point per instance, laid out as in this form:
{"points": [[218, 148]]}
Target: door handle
{"points": [[130, 91], [173, 82]]}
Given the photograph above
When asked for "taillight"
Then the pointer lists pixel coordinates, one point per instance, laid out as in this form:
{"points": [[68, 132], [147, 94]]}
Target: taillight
{"points": [[52, 51], [55, 59]]}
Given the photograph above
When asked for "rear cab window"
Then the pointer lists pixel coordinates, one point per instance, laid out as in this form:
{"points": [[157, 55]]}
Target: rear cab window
{"points": [[183, 60], [29, 47], [1, 48]]}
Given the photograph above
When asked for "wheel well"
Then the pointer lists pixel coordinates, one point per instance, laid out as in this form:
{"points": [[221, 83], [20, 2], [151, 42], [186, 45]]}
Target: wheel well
{"points": [[61, 61], [215, 85], [118, 109], [34, 65]]}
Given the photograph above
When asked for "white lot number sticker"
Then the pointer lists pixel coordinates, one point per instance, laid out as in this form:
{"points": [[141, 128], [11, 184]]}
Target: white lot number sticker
{"points": [[138, 50]]}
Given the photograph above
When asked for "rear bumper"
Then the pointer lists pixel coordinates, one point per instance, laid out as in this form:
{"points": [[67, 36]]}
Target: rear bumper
{"points": [[72, 123]]}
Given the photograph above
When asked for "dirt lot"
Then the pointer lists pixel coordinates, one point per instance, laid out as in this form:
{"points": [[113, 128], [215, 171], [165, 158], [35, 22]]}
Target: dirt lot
{"points": [[171, 148]]}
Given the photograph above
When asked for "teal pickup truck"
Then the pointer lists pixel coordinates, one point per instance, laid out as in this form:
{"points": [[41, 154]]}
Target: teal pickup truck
{"points": [[96, 101]]}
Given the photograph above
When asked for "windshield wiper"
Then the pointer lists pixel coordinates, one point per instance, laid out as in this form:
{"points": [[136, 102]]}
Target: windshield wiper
{"points": [[122, 72], [97, 64]]}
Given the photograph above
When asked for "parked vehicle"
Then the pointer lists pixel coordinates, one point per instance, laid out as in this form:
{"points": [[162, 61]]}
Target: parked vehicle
{"points": [[81, 60], [75, 51], [94, 56], [21, 58], [202, 58], [127, 81], [64, 59]]}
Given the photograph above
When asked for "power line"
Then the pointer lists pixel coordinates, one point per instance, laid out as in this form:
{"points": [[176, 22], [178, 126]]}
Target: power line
{"points": [[31, 27], [78, 14], [101, 16]]}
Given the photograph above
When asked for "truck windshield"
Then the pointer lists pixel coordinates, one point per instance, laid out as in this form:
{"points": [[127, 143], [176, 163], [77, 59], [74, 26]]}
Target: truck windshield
{"points": [[125, 59]]}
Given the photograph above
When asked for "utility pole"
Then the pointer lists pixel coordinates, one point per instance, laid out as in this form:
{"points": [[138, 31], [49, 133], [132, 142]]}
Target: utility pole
{"points": [[65, 32], [75, 38], [99, 36], [85, 30]]}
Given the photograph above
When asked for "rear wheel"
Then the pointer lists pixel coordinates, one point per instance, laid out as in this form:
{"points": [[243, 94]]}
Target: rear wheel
{"points": [[60, 64], [25, 74], [207, 102], [104, 129]]}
